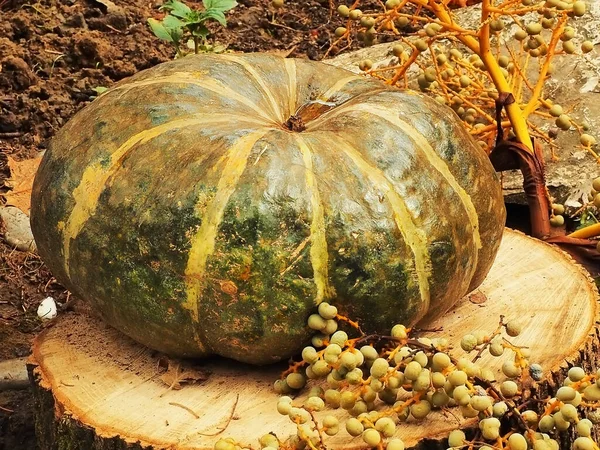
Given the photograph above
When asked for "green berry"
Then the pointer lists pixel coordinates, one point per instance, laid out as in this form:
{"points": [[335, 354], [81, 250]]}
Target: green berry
{"points": [[369, 353], [355, 14], [277, 3], [457, 378], [395, 444], [556, 110], [456, 438], [440, 361], [269, 440], [281, 387], [568, 47], [576, 374], [587, 46], [385, 426], [399, 331], [295, 380], [316, 322], [557, 221], [340, 31], [371, 437], [421, 45], [533, 28], [583, 443], [480, 402], [514, 328], [412, 371], [546, 424], [224, 444], [510, 369], [343, 11], [499, 409], [563, 122], [468, 342], [520, 35], [587, 140], [579, 8], [420, 409], [309, 355], [327, 311], [584, 428], [517, 441], [365, 65], [379, 367], [490, 428], [321, 368], [509, 388]]}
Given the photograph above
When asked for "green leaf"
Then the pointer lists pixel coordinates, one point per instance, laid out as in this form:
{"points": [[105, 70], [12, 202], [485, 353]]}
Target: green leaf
{"points": [[159, 30], [178, 9], [172, 22], [214, 14], [219, 5]]}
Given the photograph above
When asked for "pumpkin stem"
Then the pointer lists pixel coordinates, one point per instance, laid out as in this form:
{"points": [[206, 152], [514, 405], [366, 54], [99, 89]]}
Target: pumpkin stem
{"points": [[295, 123]]}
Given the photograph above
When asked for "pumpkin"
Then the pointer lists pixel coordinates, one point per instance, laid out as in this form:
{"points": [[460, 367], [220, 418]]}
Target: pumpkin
{"points": [[209, 204]]}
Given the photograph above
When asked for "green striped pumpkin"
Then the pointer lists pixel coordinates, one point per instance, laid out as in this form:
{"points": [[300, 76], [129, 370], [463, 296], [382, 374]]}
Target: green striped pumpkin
{"points": [[207, 205]]}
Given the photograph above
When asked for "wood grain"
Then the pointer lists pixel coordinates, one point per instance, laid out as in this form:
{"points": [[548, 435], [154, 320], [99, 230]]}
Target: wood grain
{"points": [[104, 385]]}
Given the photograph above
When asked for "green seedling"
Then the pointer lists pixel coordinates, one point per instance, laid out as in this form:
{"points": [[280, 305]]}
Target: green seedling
{"points": [[182, 22]]}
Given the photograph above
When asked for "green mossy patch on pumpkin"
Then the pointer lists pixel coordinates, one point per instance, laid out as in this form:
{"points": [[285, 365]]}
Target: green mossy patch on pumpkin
{"points": [[255, 309]]}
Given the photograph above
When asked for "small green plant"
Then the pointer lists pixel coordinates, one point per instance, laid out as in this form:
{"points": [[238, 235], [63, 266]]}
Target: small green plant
{"points": [[183, 24]]}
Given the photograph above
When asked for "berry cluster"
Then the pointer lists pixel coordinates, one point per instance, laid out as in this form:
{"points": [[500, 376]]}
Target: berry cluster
{"points": [[467, 68], [383, 381]]}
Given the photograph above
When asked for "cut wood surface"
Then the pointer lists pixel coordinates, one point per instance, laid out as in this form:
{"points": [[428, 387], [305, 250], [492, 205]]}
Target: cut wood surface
{"points": [[108, 390]]}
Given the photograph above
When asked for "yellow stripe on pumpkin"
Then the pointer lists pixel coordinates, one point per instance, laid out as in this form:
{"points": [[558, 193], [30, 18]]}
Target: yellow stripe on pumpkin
{"points": [[415, 238], [319, 256], [434, 159], [93, 181], [338, 86], [205, 82], [203, 242], [259, 80], [290, 68]]}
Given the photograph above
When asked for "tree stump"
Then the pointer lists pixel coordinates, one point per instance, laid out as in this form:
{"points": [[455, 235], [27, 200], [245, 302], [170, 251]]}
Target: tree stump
{"points": [[97, 389]]}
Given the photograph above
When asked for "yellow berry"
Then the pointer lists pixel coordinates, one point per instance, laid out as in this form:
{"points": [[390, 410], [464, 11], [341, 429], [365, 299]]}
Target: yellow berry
{"points": [[579, 8], [563, 122], [587, 140], [587, 46], [340, 31], [533, 28], [557, 221], [556, 110]]}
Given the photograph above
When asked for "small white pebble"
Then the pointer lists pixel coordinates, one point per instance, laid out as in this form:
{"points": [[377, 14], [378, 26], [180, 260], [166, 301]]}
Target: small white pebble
{"points": [[47, 309]]}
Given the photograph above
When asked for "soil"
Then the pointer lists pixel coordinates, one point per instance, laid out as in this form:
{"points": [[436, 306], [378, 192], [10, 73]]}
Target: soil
{"points": [[54, 54]]}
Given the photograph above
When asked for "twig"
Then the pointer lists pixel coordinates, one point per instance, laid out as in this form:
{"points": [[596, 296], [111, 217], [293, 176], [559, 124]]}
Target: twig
{"points": [[6, 409], [231, 414], [191, 411]]}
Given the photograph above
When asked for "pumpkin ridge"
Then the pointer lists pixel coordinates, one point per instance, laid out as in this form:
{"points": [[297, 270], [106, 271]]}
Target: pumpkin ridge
{"points": [[338, 86], [434, 159], [312, 124], [205, 82], [275, 108], [290, 68], [203, 242], [412, 235], [93, 180], [318, 245]]}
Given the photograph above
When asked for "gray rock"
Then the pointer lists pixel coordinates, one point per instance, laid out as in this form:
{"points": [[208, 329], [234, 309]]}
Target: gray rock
{"points": [[575, 82], [17, 230]]}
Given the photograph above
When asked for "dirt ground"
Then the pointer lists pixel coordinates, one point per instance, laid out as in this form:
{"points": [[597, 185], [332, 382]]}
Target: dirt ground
{"points": [[53, 54]]}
